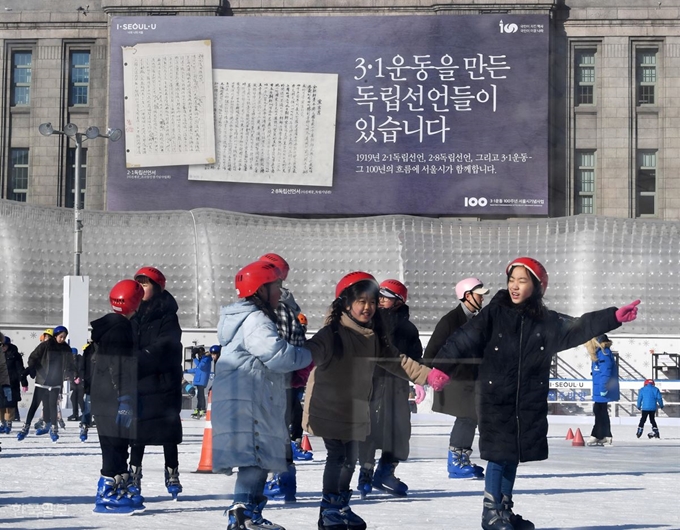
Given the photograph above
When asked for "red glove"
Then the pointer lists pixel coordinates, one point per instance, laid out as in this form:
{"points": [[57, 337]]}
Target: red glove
{"points": [[437, 379], [627, 313], [420, 394], [300, 377]]}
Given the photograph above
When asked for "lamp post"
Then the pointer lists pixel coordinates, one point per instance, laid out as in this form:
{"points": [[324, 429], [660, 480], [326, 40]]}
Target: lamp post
{"points": [[71, 131]]}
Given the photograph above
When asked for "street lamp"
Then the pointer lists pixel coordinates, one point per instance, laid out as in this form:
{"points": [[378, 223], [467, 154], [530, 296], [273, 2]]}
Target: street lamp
{"points": [[71, 131]]}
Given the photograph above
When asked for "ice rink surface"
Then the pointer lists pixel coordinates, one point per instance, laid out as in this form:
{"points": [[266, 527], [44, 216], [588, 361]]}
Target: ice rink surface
{"points": [[632, 484]]}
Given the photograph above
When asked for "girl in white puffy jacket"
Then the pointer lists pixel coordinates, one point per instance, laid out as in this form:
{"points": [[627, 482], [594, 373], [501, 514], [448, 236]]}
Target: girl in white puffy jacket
{"points": [[249, 392]]}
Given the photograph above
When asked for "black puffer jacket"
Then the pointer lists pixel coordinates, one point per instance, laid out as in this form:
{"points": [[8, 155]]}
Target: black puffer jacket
{"points": [[515, 353], [15, 367], [159, 359], [114, 373], [390, 411]]}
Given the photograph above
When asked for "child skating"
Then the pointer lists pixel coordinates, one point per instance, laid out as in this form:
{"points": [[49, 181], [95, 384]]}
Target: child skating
{"points": [[649, 398], [514, 339]]}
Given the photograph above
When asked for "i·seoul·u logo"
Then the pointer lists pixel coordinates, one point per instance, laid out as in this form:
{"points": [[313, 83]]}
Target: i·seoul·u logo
{"points": [[475, 201], [508, 28]]}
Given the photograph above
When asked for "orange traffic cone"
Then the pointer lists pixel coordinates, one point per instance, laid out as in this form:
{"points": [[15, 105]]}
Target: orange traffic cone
{"points": [[578, 439], [205, 465], [570, 434], [304, 444]]}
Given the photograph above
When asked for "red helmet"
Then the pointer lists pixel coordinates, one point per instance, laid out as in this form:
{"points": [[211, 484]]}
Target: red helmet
{"points": [[126, 296], [253, 276], [649, 382], [280, 263], [534, 267], [302, 319], [153, 274], [394, 289], [351, 279]]}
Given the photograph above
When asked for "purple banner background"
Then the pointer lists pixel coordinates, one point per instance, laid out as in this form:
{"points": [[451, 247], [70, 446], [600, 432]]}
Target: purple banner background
{"points": [[517, 128]]}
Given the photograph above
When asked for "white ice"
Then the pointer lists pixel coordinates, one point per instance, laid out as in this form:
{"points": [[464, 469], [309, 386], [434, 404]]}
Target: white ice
{"points": [[630, 485]]}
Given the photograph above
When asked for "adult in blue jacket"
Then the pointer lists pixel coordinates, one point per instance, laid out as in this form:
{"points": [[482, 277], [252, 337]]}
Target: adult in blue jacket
{"points": [[649, 397], [605, 387], [249, 392]]}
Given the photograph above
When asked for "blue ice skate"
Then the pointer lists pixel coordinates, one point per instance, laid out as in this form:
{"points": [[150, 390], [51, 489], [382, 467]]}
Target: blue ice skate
{"points": [[23, 432], [111, 497], [249, 515], [83, 433], [384, 480], [459, 465], [283, 485], [365, 484], [44, 429], [299, 453], [172, 482], [54, 434]]}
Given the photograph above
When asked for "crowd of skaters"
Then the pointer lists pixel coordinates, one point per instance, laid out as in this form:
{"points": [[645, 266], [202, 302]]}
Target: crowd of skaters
{"points": [[354, 373]]}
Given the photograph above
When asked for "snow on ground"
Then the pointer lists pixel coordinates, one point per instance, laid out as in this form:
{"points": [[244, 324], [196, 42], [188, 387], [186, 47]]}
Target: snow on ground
{"points": [[630, 485]]}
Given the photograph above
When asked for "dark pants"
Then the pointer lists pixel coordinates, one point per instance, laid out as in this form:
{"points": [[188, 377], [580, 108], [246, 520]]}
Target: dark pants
{"points": [[114, 455], [648, 414], [39, 397], [169, 451], [463, 433], [77, 399], [294, 413], [200, 397], [341, 459], [602, 428], [50, 401]]}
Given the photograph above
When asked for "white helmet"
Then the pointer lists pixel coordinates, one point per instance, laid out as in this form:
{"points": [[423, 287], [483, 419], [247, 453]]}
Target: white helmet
{"points": [[467, 285]]}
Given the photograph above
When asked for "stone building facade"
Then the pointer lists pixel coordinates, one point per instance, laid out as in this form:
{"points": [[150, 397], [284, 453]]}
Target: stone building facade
{"points": [[615, 79]]}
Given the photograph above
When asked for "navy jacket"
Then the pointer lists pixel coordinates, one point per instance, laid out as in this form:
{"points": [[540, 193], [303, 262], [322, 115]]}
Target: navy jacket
{"points": [[514, 353]]}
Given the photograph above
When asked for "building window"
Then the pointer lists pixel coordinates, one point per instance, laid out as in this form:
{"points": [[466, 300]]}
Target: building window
{"points": [[71, 176], [21, 78], [585, 77], [585, 182], [18, 175], [646, 183], [79, 82], [646, 76]]}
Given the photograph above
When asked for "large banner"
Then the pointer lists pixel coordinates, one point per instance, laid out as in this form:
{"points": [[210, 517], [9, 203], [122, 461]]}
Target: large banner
{"points": [[431, 115]]}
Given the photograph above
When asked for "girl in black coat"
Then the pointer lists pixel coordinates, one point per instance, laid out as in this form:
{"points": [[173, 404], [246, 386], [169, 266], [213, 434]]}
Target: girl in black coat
{"points": [[390, 411], [158, 337], [113, 394], [513, 340]]}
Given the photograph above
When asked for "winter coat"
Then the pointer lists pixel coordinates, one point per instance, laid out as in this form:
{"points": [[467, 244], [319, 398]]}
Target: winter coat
{"points": [[514, 352], [50, 363], [4, 373], [159, 371], [87, 368], [390, 410], [339, 388], [201, 370], [15, 368], [249, 390], [114, 373], [605, 377], [458, 397], [648, 398]]}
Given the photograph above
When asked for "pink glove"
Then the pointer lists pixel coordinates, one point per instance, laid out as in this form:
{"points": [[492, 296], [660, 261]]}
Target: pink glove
{"points": [[77, 380], [24, 389], [420, 394], [627, 313], [437, 379]]}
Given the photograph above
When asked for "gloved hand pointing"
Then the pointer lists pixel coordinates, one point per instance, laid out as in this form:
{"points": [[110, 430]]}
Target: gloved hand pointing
{"points": [[437, 379], [420, 394], [124, 416], [627, 313], [6, 389]]}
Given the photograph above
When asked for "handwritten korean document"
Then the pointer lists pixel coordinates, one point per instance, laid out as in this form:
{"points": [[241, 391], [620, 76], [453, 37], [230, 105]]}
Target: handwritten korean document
{"points": [[273, 128], [168, 104]]}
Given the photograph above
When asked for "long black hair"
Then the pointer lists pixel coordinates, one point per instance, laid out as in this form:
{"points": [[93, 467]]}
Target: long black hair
{"points": [[345, 300], [263, 306], [155, 303], [532, 306]]}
